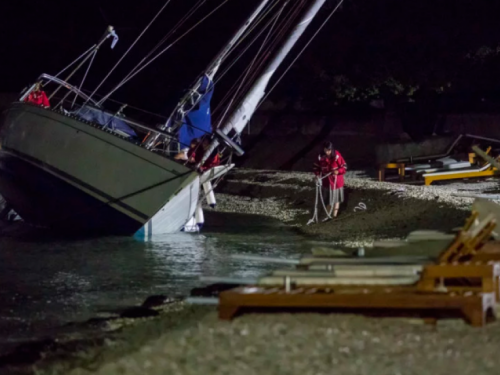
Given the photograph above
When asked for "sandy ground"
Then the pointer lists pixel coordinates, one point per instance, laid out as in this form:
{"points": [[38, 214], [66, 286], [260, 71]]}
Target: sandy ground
{"points": [[392, 211], [315, 344], [192, 340]]}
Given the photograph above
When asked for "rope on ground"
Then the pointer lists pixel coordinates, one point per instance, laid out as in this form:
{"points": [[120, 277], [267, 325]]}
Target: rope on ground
{"points": [[361, 207]]}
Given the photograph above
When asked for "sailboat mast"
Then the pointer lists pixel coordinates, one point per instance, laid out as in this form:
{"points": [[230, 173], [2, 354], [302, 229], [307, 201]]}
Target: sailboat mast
{"points": [[214, 65], [240, 117], [209, 71]]}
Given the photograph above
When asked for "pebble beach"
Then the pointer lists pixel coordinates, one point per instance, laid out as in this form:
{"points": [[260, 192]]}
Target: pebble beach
{"points": [[186, 339]]}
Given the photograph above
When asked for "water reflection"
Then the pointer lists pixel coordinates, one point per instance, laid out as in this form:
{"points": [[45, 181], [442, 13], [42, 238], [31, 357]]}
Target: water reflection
{"points": [[45, 283]]}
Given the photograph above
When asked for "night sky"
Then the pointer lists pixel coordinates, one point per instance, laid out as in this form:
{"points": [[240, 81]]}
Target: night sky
{"points": [[422, 43]]}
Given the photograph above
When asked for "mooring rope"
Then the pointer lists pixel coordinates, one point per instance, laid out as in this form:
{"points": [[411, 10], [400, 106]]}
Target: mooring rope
{"points": [[319, 195]]}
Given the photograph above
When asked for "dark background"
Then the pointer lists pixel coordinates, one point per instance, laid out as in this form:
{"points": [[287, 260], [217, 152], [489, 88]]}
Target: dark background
{"points": [[435, 54]]}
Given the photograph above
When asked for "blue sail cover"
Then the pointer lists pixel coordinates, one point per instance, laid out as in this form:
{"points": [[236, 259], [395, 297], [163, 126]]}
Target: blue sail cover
{"points": [[105, 119], [198, 121]]}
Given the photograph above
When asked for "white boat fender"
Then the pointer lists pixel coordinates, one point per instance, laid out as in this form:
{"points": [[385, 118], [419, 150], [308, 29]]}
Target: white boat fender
{"points": [[200, 219], [209, 194], [191, 226]]}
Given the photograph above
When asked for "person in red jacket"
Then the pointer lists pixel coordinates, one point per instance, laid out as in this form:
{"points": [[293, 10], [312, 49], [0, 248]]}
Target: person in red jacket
{"points": [[38, 97], [211, 162], [188, 153], [330, 168], [195, 155]]}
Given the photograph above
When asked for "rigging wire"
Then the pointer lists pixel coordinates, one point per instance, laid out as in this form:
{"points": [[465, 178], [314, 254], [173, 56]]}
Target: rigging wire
{"points": [[201, 2], [231, 90], [257, 23], [179, 24], [161, 53], [61, 102], [292, 16], [194, 97], [74, 62], [132, 46], [283, 27], [253, 62], [84, 77], [302, 51], [245, 35], [293, 13], [225, 71], [231, 50], [166, 37]]}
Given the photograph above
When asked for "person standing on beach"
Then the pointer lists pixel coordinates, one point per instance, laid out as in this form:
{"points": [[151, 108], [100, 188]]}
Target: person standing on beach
{"points": [[330, 168]]}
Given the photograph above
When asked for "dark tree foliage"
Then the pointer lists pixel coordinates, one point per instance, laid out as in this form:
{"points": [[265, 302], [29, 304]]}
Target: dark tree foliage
{"points": [[402, 51], [396, 50]]}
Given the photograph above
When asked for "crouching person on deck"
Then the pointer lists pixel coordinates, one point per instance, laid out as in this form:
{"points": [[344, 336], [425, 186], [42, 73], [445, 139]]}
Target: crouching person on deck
{"points": [[196, 153], [38, 97], [188, 153], [330, 169]]}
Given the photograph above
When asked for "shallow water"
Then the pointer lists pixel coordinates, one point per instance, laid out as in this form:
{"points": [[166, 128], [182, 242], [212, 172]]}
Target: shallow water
{"points": [[47, 283]]}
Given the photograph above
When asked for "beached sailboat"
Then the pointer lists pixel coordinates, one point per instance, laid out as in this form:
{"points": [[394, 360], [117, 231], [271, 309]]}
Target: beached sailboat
{"points": [[80, 167]]}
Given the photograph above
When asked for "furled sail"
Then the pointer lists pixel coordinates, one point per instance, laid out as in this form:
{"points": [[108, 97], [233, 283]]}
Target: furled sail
{"points": [[197, 122]]}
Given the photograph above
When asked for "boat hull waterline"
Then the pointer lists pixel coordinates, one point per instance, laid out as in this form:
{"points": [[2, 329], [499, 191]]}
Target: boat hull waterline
{"points": [[59, 172]]}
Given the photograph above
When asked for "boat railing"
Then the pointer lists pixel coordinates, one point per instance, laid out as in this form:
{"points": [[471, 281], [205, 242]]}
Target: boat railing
{"points": [[46, 79], [75, 104]]}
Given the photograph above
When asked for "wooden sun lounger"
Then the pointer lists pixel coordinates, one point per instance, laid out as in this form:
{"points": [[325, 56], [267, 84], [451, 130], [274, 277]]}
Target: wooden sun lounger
{"points": [[475, 308], [455, 283]]}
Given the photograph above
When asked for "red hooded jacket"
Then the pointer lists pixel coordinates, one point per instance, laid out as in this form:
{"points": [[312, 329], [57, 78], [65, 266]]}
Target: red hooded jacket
{"points": [[210, 163], [327, 164], [38, 98]]}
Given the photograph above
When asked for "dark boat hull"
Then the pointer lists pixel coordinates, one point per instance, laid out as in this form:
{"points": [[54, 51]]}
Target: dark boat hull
{"points": [[61, 173]]}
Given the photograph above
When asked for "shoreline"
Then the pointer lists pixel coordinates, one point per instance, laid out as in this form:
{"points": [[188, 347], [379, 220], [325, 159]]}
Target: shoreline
{"points": [[392, 209], [168, 336]]}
